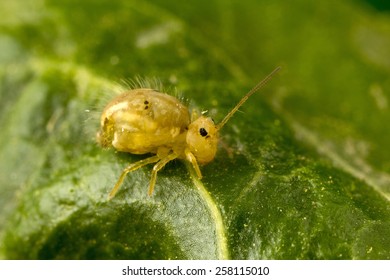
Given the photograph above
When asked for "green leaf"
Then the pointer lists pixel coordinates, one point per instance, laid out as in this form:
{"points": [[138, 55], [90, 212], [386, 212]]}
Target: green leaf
{"points": [[302, 171]]}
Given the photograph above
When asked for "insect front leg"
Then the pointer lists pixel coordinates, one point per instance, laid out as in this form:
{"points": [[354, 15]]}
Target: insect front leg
{"points": [[191, 158], [157, 167], [128, 169]]}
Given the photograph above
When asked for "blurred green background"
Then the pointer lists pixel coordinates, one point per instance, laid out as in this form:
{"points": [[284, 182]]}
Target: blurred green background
{"points": [[303, 171]]}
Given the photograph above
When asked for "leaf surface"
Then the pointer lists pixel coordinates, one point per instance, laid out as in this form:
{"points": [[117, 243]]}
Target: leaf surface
{"points": [[302, 171]]}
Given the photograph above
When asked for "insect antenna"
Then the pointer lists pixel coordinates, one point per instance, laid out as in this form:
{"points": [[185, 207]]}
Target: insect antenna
{"points": [[245, 98]]}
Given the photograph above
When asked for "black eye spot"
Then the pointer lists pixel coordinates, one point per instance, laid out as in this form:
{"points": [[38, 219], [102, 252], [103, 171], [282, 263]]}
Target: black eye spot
{"points": [[146, 102], [203, 132]]}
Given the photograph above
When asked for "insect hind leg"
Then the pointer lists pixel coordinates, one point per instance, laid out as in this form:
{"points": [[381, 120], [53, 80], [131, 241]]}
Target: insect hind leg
{"points": [[131, 168]]}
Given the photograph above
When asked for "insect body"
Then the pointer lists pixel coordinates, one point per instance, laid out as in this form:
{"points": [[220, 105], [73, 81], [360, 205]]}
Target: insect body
{"points": [[144, 120]]}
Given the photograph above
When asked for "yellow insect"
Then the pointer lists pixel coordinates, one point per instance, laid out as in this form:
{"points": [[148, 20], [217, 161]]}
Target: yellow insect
{"points": [[142, 121]]}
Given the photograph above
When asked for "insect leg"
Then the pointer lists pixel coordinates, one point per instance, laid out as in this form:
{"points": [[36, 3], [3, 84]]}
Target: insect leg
{"points": [[131, 168], [191, 158], [157, 167]]}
